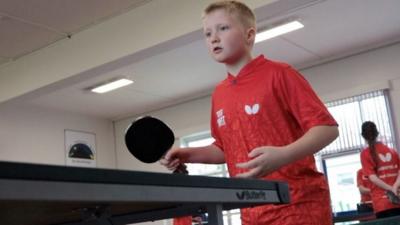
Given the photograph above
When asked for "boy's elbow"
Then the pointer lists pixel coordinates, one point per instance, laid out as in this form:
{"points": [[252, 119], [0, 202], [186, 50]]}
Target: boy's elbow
{"points": [[327, 133], [333, 133]]}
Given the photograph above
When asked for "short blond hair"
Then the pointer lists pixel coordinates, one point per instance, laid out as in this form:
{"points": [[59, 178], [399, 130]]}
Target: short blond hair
{"points": [[242, 11]]}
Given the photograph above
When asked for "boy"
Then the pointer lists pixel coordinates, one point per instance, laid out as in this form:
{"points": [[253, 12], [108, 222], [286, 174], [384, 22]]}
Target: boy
{"points": [[266, 120]]}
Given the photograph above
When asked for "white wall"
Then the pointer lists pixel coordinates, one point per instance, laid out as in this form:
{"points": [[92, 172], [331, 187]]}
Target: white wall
{"points": [[342, 78], [36, 135]]}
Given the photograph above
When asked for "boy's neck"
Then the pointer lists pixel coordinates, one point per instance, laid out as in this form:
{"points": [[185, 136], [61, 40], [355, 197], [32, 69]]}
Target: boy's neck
{"points": [[235, 68]]}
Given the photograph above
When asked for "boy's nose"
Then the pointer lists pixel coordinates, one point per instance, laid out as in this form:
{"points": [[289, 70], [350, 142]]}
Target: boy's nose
{"points": [[214, 39]]}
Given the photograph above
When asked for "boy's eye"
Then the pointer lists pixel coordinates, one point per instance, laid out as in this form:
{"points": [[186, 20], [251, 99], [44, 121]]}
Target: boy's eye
{"points": [[224, 27], [207, 34]]}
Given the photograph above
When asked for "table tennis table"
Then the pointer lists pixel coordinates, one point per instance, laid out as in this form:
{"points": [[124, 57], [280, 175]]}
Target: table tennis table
{"points": [[35, 194]]}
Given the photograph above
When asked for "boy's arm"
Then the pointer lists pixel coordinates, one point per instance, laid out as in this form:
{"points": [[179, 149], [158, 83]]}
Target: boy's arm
{"points": [[267, 159], [210, 154]]}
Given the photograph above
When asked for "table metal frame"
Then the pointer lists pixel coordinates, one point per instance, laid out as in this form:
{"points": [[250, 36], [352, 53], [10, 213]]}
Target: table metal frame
{"points": [[182, 195]]}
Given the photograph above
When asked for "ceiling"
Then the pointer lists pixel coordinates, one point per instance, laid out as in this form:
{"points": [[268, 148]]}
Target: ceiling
{"points": [[27, 26], [175, 72]]}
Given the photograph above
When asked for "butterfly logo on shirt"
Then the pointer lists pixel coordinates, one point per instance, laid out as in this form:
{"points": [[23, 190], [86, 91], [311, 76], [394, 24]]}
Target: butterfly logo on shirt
{"points": [[252, 110], [385, 158]]}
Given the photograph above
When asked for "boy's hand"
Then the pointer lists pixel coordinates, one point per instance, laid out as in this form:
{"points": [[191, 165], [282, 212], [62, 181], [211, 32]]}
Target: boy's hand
{"points": [[171, 160], [264, 160], [395, 189]]}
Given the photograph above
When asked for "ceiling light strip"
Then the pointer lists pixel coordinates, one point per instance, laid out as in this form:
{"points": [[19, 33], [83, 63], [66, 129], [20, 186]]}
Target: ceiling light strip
{"points": [[111, 86], [279, 30]]}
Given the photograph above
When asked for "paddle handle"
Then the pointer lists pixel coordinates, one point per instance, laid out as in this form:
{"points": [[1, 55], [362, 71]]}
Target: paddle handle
{"points": [[181, 169]]}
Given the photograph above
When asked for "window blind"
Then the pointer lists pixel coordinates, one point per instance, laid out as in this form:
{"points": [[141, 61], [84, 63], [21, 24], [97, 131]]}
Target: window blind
{"points": [[351, 112]]}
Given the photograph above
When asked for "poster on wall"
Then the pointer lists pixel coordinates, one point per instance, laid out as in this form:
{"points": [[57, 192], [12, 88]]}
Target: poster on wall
{"points": [[80, 148]]}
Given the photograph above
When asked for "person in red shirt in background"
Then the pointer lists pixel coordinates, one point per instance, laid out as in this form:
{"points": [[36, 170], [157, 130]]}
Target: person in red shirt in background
{"points": [[381, 164], [363, 185], [266, 120]]}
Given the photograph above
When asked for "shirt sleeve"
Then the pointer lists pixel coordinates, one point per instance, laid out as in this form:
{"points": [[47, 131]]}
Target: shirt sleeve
{"points": [[301, 101], [214, 127]]}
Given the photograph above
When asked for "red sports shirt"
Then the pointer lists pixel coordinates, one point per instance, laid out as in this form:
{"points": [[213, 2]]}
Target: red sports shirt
{"points": [[387, 171], [271, 104], [363, 180]]}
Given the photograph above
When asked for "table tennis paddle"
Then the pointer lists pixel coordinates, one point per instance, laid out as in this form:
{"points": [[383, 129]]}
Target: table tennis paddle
{"points": [[393, 198], [148, 139]]}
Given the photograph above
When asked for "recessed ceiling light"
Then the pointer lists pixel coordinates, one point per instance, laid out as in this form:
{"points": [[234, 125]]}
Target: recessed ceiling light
{"points": [[278, 30], [111, 86]]}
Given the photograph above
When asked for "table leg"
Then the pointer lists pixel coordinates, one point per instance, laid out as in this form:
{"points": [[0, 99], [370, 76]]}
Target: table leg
{"points": [[215, 214]]}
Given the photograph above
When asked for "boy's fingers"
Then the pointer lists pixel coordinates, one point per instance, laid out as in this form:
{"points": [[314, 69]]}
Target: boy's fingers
{"points": [[255, 152], [164, 160], [175, 163], [172, 166], [249, 164], [242, 175], [248, 174], [169, 163], [168, 155], [244, 165]]}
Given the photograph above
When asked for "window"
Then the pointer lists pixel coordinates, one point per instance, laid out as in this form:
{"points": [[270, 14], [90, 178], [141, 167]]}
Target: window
{"points": [[342, 172], [198, 140]]}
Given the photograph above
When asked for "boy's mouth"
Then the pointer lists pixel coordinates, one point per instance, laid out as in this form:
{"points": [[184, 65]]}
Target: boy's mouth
{"points": [[217, 49]]}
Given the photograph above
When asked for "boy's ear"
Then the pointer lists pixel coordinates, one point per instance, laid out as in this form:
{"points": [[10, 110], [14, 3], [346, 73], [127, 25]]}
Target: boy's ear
{"points": [[251, 35]]}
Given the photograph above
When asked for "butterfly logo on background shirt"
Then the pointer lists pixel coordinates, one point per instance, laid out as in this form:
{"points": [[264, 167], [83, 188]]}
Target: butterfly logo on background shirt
{"points": [[252, 110], [385, 158]]}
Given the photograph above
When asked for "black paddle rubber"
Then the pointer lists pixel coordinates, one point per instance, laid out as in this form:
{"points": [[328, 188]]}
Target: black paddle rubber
{"points": [[148, 139]]}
